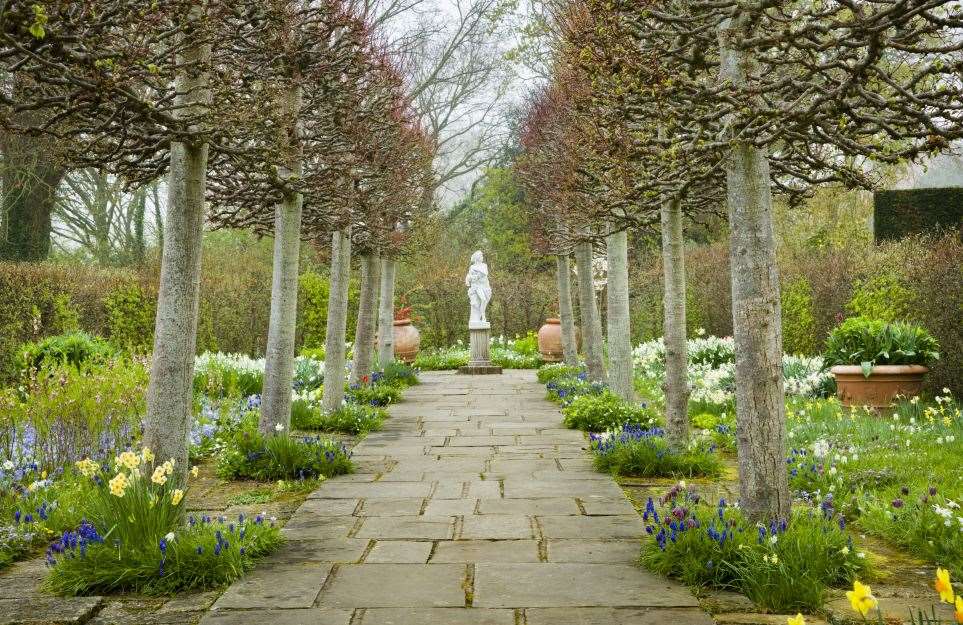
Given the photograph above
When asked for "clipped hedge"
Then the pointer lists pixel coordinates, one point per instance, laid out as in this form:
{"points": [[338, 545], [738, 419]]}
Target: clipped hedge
{"points": [[905, 212]]}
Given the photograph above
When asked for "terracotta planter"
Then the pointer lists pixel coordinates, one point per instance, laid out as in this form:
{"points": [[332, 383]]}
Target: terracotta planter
{"points": [[550, 341], [882, 386], [407, 341]]}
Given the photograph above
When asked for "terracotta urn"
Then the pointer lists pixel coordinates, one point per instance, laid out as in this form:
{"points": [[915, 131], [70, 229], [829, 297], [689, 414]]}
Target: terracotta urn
{"points": [[550, 341], [880, 389], [407, 340]]}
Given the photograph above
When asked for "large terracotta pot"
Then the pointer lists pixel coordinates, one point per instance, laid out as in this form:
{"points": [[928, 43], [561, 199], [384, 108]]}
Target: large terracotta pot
{"points": [[550, 341], [407, 340], [880, 389]]}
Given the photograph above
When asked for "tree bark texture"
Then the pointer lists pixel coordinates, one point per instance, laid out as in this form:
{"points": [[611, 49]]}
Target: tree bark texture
{"points": [[591, 320], [386, 314], [31, 177], [565, 313], [617, 319], [279, 356], [169, 393], [337, 321], [756, 314], [365, 330], [674, 330]]}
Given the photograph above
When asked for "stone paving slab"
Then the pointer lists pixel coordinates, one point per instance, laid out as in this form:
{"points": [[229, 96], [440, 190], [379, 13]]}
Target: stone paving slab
{"points": [[439, 616], [396, 586], [276, 586], [308, 616], [574, 585], [47, 610], [473, 507], [616, 616], [466, 551]]}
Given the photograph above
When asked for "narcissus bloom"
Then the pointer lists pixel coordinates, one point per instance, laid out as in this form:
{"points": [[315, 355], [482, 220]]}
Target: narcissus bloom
{"points": [[943, 585], [861, 598], [959, 610], [796, 620], [176, 496], [118, 485], [159, 476]]}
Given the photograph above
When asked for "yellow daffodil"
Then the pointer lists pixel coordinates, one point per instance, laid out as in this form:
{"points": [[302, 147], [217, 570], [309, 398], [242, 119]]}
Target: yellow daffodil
{"points": [[943, 585], [176, 496], [796, 620], [159, 477], [958, 613], [118, 485], [43, 474], [168, 467], [861, 598], [195, 471], [128, 459], [147, 454], [87, 467]]}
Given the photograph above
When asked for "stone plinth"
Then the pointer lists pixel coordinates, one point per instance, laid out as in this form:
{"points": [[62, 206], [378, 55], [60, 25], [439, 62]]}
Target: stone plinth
{"points": [[480, 362]]}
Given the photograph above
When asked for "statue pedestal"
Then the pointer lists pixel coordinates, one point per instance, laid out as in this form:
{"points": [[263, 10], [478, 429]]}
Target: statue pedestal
{"points": [[480, 362]]}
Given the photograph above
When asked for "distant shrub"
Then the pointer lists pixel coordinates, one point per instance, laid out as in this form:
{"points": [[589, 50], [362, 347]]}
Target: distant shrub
{"points": [[883, 297], [554, 371], [603, 412], [798, 323], [637, 451], [399, 374], [76, 349], [381, 394], [249, 454], [313, 291], [130, 318], [350, 418]]}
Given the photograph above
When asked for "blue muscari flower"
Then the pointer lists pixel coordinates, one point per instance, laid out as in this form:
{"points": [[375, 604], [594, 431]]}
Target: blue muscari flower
{"points": [[28, 518], [16, 517], [242, 551], [217, 549], [200, 550], [762, 534], [842, 522], [163, 546]]}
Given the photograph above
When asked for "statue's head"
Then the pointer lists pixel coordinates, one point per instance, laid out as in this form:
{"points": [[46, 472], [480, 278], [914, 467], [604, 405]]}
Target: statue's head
{"points": [[477, 257]]}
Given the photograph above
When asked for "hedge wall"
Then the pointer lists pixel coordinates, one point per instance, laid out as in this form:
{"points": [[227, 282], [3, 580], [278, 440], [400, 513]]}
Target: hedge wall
{"points": [[916, 211]]}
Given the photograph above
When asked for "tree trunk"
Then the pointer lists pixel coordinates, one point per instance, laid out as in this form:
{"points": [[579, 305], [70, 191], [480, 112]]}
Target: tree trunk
{"points": [[676, 358], [31, 177], [386, 314], [169, 401], [364, 334], [756, 314], [337, 320], [591, 321], [279, 356], [567, 317], [617, 318]]}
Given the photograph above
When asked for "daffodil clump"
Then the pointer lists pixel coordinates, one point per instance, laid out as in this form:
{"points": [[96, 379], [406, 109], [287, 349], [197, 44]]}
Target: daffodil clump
{"points": [[783, 566], [135, 534]]}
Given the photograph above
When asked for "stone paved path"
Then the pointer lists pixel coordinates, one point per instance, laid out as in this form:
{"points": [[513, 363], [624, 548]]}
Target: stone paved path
{"points": [[473, 506]]}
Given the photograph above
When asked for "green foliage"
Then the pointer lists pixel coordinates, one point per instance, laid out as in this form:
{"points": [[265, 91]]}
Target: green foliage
{"points": [[913, 211], [249, 454], [130, 318], [314, 353], [550, 372], [704, 421], [399, 374], [882, 297], [381, 394], [227, 375], [869, 342], [603, 412], [76, 349], [313, 290], [783, 567], [64, 414], [350, 418], [798, 323], [65, 318], [132, 537], [642, 452], [442, 359]]}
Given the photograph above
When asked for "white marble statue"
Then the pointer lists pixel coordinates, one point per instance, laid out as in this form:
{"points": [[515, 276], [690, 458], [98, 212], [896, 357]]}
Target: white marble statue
{"points": [[479, 288]]}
